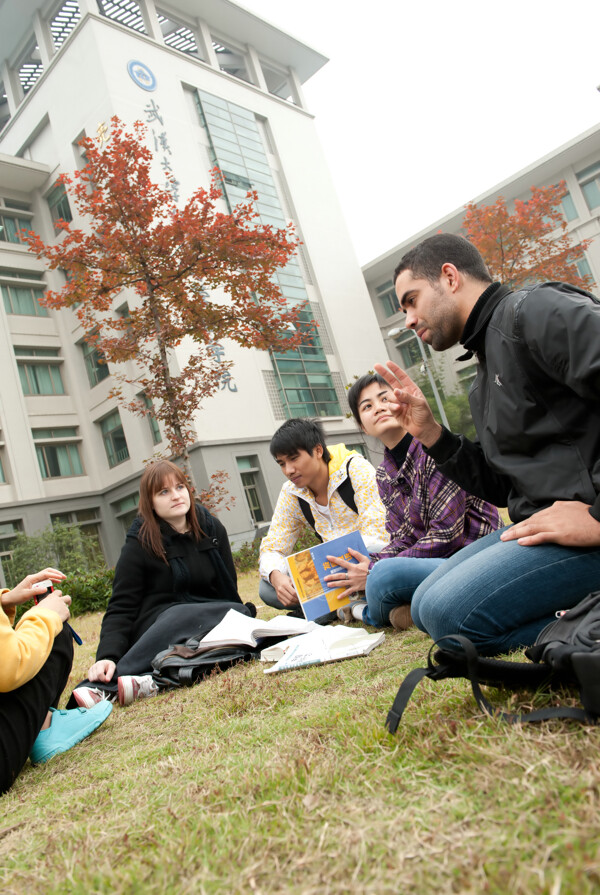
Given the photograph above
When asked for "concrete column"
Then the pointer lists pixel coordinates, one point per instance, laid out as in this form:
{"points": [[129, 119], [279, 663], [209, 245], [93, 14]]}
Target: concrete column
{"points": [[44, 40], [205, 47], [148, 11], [14, 94], [255, 68], [297, 92]]}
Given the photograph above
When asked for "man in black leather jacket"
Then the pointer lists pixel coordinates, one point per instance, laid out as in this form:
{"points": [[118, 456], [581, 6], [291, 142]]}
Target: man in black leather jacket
{"points": [[535, 405]]}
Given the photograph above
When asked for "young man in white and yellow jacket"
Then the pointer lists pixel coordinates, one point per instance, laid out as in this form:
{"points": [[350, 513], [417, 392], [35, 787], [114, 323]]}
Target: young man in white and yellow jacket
{"points": [[330, 489]]}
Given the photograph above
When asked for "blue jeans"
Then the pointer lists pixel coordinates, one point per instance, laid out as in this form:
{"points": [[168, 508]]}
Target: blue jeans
{"points": [[392, 582], [500, 595]]}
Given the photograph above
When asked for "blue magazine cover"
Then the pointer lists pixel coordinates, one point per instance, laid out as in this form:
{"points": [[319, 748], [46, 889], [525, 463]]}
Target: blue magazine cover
{"points": [[309, 567]]}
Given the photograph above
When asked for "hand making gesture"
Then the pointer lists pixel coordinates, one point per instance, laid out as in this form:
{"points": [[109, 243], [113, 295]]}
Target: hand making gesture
{"points": [[410, 408]]}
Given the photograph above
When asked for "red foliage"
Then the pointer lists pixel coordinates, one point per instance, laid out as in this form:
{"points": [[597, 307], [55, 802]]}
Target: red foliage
{"points": [[530, 245], [169, 262]]}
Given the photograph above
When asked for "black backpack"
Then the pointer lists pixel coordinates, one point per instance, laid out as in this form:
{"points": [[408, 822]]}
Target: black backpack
{"points": [[182, 664], [566, 653]]}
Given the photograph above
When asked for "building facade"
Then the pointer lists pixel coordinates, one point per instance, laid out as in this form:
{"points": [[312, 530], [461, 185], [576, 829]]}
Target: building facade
{"points": [[578, 164], [215, 85]]}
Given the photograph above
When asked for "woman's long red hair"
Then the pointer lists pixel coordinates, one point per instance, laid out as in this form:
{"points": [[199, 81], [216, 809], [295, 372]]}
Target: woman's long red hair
{"points": [[155, 478]]}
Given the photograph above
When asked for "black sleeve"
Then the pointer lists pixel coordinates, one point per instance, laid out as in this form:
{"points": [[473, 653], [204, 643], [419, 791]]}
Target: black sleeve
{"points": [[464, 462], [124, 604]]}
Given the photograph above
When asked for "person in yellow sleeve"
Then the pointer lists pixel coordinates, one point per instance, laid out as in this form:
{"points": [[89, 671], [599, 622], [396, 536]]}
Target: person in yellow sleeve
{"points": [[36, 657]]}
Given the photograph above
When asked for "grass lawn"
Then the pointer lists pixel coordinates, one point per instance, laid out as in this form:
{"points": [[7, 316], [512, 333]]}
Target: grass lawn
{"points": [[249, 783]]}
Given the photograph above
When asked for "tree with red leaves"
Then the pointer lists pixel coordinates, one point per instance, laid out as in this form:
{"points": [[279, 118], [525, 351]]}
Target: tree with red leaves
{"points": [[193, 273], [530, 245]]}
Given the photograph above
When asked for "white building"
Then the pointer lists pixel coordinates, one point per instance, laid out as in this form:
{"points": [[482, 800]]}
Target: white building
{"points": [[216, 85], [578, 164]]}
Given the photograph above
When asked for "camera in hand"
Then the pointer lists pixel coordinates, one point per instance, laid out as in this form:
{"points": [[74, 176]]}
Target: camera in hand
{"points": [[49, 589]]}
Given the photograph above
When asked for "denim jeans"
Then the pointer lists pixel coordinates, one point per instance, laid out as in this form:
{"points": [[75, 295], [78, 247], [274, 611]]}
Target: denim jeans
{"points": [[500, 594], [392, 582]]}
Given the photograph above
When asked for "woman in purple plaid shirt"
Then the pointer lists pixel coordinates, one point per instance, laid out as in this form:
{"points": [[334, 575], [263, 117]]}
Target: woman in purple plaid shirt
{"points": [[428, 517]]}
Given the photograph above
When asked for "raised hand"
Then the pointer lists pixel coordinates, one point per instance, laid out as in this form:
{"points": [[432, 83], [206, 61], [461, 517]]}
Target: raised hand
{"points": [[410, 405], [29, 587]]}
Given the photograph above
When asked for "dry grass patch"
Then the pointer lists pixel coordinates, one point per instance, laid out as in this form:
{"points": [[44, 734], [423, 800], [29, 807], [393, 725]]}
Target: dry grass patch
{"points": [[253, 783]]}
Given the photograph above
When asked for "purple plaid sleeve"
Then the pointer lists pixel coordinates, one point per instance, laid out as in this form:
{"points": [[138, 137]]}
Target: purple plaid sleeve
{"points": [[427, 515]]}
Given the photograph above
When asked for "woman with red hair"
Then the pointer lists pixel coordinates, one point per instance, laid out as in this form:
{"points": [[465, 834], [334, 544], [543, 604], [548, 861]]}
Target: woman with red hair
{"points": [[176, 558]]}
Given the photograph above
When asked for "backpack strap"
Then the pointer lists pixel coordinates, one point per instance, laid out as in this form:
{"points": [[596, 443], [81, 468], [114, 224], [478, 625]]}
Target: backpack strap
{"points": [[346, 492], [466, 662]]}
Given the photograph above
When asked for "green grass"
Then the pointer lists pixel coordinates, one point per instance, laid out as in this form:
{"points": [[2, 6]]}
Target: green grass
{"points": [[249, 783]]}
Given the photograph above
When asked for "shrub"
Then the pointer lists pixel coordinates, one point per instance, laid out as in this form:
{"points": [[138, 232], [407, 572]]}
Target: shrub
{"points": [[64, 547], [89, 591], [246, 558]]}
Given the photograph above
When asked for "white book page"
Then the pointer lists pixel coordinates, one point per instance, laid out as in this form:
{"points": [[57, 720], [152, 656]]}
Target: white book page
{"points": [[327, 644], [236, 628]]}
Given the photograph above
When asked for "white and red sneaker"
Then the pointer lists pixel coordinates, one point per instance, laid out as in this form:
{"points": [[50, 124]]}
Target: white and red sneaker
{"points": [[132, 687], [86, 697]]}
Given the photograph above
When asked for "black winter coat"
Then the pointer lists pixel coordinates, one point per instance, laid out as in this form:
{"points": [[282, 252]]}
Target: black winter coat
{"points": [[145, 585], [535, 401]]}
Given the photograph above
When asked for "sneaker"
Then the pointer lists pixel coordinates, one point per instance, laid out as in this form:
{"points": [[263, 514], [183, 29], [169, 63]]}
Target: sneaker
{"points": [[67, 728], [347, 614], [400, 618], [86, 697], [132, 687]]}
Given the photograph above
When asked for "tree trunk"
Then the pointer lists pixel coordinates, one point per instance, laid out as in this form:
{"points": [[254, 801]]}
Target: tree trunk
{"points": [[181, 449]]}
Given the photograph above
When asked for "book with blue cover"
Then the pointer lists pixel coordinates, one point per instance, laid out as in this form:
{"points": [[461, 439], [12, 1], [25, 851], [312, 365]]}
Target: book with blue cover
{"points": [[309, 567]]}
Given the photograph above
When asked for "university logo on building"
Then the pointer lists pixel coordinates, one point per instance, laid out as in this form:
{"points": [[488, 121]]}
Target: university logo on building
{"points": [[141, 75]]}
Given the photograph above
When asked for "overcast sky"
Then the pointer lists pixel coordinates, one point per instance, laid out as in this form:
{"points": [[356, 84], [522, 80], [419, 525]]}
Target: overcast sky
{"points": [[423, 106]]}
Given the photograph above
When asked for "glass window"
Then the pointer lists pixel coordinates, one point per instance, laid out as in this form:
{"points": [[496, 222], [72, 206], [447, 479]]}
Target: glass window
{"points": [[151, 417], [568, 207], [95, 364], [22, 351], [88, 523], [11, 226], [589, 180], [249, 474], [23, 300], [583, 268], [8, 535], [57, 460], [58, 203], [126, 510], [278, 83], [466, 376], [38, 378], [388, 298], [230, 60], [114, 439], [408, 347], [359, 448], [2, 476]]}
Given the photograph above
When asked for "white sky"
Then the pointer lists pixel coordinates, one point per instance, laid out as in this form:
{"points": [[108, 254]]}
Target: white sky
{"points": [[425, 105]]}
